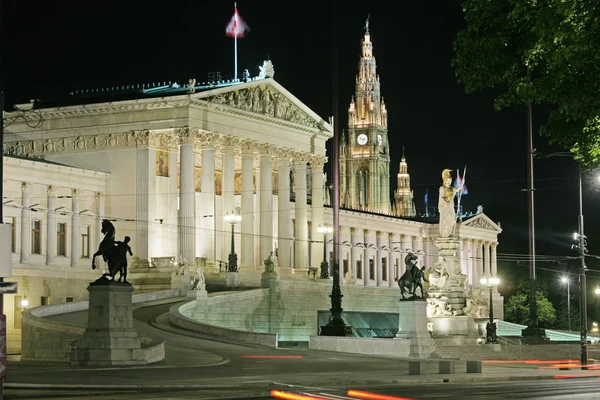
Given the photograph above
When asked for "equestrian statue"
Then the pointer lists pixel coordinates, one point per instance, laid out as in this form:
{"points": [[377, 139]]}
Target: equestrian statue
{"points": [[411, 279], [114, 253]]}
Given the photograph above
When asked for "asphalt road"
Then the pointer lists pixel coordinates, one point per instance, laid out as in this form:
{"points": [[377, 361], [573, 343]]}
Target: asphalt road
{"points": [[572, 389]]}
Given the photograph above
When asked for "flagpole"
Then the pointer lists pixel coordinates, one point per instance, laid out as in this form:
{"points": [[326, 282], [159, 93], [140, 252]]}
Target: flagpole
{"points": [[464, 179], [235, 42]]}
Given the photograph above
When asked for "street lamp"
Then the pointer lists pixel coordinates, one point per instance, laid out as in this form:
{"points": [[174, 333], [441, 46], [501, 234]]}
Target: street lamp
{"points": [[565, 279], [233, 219], [490, 328], [597, 290], [324, 229]]}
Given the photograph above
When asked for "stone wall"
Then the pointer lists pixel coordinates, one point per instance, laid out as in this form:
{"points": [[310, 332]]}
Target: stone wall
{"points": [[289, 308], [44, 339]]}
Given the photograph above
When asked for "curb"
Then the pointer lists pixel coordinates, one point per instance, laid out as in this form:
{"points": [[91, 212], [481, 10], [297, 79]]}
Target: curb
{"points": [[267, 386]]}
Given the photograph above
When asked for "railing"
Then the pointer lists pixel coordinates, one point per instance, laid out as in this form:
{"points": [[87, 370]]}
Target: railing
{"points": [[510, 345]]}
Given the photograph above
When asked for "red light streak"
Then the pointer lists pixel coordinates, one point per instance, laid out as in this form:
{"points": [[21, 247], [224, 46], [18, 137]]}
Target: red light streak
{"points": [[275, 357], [292, 396], [374, 396]]}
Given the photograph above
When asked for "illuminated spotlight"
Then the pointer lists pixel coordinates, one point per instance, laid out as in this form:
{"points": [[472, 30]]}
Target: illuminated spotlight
{"points": [[374, 396], [278, 394]]}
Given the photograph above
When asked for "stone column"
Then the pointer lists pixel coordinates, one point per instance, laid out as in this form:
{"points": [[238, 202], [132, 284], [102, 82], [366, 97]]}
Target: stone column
{"points": [[207, 217], [477, 263], [266, 202], [353, 250], [379, 258], [366, 267], [404, 240], [145, 188], [100, 214], [391, 260], [51, 227], [316, 163], [419, 247], [247, 196], [494, 260], [301, 226], [25, 222], [75, 228], [486, 259], [283, 211], [469, 254], [227, 196], [187, 197]]}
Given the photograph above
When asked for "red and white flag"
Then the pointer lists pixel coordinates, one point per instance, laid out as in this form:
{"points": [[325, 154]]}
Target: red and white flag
{"points": [[236, 26]]}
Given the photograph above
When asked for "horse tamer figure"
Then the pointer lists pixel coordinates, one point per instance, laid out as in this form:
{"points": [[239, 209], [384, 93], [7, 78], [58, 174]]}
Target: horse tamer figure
{"points": [[411, 279], [114, 253]]}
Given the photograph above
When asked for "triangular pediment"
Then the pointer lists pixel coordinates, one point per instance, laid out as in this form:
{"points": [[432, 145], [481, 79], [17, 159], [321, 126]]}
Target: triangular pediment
{"points": [[63, 211], [265, 97], [12, 203], [482, 221]]}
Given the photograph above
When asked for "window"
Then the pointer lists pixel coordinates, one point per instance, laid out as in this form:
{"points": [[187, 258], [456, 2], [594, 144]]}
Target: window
{"points": [[359, 273], [345, 266], [85, 243], [36, 237], [371, 268], [69, 300], [61, 239], [13, 234], [384, 271]]}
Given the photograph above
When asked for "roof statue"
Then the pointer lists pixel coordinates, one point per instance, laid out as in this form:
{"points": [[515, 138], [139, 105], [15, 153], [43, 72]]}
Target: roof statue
{"points": [[267, 70], [192, 85], [367, 24]]}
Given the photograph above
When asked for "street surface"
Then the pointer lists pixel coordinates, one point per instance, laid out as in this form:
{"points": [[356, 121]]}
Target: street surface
{"points": [[202, 367]]}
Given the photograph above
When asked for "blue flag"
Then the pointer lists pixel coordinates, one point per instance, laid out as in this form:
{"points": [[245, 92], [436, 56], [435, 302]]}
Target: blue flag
{"points": [[459, 182]]}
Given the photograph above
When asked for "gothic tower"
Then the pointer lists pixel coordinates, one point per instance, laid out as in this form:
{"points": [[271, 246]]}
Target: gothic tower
{"points": [[404, 205], [364, 150]]}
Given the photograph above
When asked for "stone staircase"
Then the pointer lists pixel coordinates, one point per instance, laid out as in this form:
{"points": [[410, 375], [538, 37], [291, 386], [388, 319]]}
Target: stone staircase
{"points": [[151, 278]]}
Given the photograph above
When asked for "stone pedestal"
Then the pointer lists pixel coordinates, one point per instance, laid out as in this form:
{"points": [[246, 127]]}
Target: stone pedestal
{"points": [[110, 338], [234, 279], [267, 277], [181, 282], [446, 302], [464, 327], [197, 294], [412, 325]]}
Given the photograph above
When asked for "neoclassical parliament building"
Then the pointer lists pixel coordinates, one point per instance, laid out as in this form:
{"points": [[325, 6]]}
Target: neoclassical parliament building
{"points": [[166, 163]]}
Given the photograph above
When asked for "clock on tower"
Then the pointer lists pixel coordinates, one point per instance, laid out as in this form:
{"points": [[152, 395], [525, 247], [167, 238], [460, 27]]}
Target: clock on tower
{"points": [[362, 139]]}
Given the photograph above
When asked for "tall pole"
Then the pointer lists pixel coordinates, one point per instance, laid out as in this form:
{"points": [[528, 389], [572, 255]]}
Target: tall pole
{"points": [[336, 325], [235, 30], [569, 303], [533, 333], [2, 211], [582, 280]]}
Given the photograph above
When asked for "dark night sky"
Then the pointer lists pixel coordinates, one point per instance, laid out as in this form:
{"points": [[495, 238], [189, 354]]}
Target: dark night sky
{"points": [[49, 50]]}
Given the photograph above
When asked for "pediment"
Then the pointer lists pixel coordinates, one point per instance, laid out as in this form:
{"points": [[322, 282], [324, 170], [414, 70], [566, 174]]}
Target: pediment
{"points": [[38, 207], [482, 221], [266, 97], [12, 203], [63, 211], [87, 213]]}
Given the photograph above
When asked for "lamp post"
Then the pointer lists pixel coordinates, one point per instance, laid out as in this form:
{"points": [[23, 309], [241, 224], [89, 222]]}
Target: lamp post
{"points": [[564, 279], [324, 229], [233, 219], [490, 328]]}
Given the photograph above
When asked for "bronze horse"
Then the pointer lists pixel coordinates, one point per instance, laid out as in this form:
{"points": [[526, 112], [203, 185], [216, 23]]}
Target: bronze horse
{"points": [[411, 279], [109, 251]]}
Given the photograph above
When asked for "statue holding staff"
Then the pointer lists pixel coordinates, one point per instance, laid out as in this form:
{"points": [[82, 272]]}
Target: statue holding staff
{"points": [[446, 204]]}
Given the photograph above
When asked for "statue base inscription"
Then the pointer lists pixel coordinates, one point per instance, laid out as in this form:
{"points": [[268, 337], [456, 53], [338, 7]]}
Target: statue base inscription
{"points": [[412, 325], [110, 338]]}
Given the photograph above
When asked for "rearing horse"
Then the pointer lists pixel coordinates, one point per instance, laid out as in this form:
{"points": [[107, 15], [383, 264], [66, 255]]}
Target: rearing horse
{"points": [[107, 248]]}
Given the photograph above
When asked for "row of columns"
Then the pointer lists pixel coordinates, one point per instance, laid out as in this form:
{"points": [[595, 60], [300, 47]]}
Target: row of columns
{"points": [[51, 225], [479, 259], [268, 157]]}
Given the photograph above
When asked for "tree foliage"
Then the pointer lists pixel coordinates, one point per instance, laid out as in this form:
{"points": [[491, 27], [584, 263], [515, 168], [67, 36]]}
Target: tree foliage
{"points": [[516, 308], [538, 52]]}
